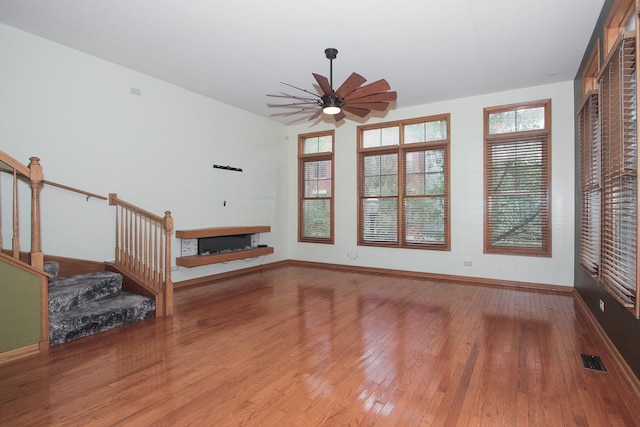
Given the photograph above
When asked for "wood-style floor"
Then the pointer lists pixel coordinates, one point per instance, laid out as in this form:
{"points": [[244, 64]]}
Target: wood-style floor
{"points": [[296, 346]]}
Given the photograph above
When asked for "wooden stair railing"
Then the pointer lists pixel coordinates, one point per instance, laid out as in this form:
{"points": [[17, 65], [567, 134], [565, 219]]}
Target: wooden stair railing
{"points": [[142, 239], [143, 250], [87, 194], [32, 173]]}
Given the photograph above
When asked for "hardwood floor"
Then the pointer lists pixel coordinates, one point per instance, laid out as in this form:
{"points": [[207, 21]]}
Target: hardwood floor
{"points": [[297, 346]]}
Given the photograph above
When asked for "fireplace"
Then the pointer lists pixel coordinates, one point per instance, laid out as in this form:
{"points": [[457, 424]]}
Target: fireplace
{"points": [[218, 244], [203, 246]]}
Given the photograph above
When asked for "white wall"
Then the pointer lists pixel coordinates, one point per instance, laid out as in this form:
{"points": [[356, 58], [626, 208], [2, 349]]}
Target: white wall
{"points": [[157, 150], [466, 196]]}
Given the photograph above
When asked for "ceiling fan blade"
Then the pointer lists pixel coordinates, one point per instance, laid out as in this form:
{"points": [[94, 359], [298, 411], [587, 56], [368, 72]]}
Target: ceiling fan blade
{"points": [[301, 110], [299, 88], [316, 114], [360, 112], [377, 106], [376, 97], [370, 89], [324, 84], [294, 97], [349, 85], [294, 104], [341, 115]]}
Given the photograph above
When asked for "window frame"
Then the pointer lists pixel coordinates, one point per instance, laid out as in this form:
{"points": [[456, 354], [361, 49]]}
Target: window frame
{"points": [[303, 159], [400, 150], [589, 76], [590, 186], [615, 172], [542, 135], [617, 22]]}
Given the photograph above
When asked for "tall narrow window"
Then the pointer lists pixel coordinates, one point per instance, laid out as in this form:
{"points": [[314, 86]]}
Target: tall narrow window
{"points": [[618, 115], [589, 80], [403, 183], [589, 137], [315, 189], [517, 179]]}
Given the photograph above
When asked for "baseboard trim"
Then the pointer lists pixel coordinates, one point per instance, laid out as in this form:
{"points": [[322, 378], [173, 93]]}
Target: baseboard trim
{"points": [[626, 370], [432, 276], [79, 267], [19, 353], [477, 281]]}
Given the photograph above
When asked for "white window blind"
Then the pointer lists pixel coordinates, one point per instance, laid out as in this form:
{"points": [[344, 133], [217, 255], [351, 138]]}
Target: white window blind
{"points": [[590, 190], [618, 115]]}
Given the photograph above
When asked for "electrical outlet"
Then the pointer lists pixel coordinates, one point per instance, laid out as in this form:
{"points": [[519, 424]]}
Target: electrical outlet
{"points": [[601, 305], [468, 263], [352, 255]]}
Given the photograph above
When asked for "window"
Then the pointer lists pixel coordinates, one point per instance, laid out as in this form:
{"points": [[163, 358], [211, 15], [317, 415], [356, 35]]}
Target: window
{"points": [[618, 130], [403, 183], [590, 164], [589, 137], [607, 121], [315, 188], [589, 81], [517, 179]]}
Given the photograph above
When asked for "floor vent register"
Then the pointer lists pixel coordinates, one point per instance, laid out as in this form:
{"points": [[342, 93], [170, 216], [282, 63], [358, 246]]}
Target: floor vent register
{"points": [[592, 362]]}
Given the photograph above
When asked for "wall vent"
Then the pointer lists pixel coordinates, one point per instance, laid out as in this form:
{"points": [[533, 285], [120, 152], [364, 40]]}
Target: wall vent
{"points": [[592, 362]]}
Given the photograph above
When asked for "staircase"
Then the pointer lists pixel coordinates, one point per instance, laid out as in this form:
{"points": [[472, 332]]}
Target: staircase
{"points": [[83, 305], [89, 303]]}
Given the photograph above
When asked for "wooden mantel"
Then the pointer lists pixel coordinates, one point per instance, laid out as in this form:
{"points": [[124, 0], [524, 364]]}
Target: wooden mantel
{"points": [[198, 233]]}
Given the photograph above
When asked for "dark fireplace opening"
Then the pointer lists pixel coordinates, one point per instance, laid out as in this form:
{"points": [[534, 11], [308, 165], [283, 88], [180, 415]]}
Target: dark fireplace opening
{"points": [[218, 244]]}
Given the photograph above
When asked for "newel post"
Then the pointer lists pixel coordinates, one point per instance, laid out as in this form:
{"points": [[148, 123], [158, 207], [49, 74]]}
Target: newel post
{"points": [[168, 284], [36, 177]]}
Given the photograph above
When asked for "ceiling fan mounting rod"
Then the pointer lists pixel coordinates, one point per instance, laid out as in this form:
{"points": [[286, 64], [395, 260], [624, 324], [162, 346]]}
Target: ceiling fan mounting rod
{"points": [[331, 54]]}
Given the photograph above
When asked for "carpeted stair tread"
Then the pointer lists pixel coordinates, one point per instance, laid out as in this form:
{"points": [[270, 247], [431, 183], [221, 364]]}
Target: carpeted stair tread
{"points": [[51, 267], [68, 292], [99, 315]]}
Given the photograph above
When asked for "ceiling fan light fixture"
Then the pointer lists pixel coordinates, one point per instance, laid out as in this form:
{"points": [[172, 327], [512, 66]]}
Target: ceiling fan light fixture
{"points": [[331, 110], [331, 105]]}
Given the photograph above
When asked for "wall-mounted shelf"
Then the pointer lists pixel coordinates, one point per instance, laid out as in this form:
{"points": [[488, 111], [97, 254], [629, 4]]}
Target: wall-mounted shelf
{"points": [[199, 233], [198, 260]]}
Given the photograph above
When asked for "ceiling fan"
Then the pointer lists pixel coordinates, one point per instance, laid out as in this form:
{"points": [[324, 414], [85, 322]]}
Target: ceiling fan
{"points": [[351, 97]]}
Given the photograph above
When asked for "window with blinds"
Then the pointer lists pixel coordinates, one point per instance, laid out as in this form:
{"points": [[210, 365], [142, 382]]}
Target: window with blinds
{"points": [[518, 179], [589, 137], [618, 121], [315, 188], [403, 183]]}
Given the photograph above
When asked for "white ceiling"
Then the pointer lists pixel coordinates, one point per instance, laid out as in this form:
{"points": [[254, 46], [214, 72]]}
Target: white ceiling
{"points": [[237, 51]]}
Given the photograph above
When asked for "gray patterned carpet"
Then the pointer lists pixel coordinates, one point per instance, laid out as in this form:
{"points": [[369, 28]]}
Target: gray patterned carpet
{"points": [[90, 303]]}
